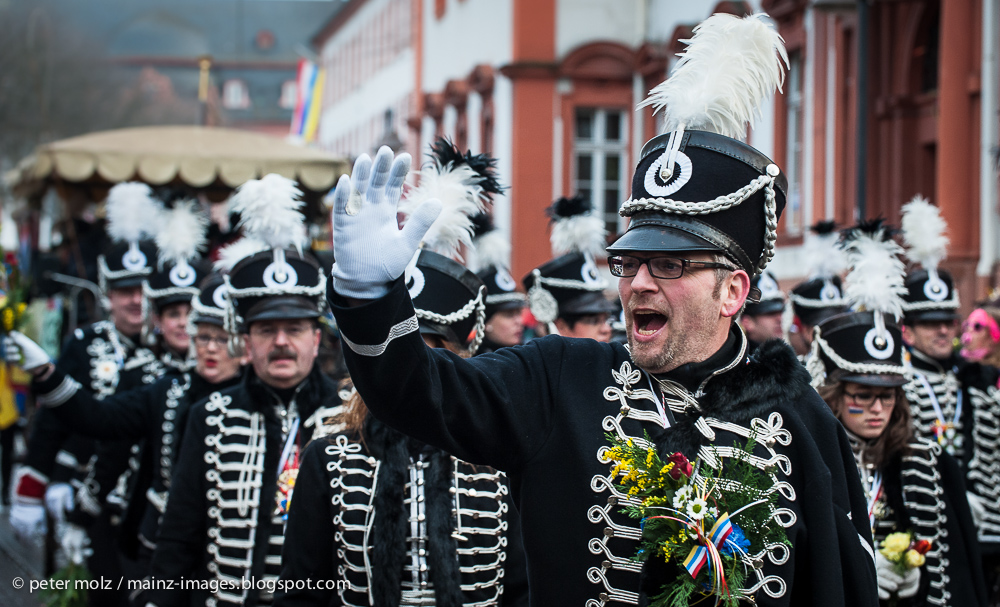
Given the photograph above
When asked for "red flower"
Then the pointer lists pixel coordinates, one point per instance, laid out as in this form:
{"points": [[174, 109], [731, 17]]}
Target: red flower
{"points": [[681, 466], [921, 546]]}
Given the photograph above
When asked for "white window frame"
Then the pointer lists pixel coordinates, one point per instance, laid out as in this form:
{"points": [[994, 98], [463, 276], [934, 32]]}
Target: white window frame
{"points": [[598, 147], [795, 146], [235, 94]]}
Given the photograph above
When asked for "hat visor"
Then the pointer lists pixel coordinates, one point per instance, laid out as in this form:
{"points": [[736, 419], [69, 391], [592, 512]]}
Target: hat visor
{"points": [[888, 380], [652, 237], [129, 282], [492, 309], [208, 320], [931, 316], [281, 308], [588, 303], [771, 306]]}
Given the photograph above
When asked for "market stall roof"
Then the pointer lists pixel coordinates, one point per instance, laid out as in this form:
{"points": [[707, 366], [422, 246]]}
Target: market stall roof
{"points": [[195, 155]]}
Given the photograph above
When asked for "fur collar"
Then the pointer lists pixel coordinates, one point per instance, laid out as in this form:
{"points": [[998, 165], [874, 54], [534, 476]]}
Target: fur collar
{"points": [[771, 376]]}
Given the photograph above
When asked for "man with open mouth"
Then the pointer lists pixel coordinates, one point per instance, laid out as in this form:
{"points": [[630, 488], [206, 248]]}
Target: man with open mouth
{"points": [[704, 208]]}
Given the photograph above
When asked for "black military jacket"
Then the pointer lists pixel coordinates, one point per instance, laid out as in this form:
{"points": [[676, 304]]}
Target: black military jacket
{"points": [[540, 413]]}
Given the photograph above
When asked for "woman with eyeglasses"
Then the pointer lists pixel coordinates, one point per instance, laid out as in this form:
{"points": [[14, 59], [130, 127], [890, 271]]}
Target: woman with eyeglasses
{"points": [[981, 336], [156, 413]]}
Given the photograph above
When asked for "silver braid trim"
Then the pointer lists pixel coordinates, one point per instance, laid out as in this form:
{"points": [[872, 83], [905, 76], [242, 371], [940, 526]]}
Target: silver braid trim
{"points": [[805, 302], [500, 298], [62, 393], [948, 304], [722, 203], [477, 305], [565, 283], [846, 365], [398, 330]]}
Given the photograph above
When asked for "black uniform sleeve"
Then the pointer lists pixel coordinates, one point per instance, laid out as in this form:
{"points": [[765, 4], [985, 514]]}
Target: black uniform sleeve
{"points": [[970, 559], [125, 414], [180, 544], [307, 557], [494, 409]]}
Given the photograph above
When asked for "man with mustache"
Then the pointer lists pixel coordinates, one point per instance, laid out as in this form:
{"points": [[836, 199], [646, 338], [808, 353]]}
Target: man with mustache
{"points": [[704, 208], [235, 471]]}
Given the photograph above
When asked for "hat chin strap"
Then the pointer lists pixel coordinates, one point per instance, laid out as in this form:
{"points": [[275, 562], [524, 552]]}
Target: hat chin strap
{"points": [[722, 203]]}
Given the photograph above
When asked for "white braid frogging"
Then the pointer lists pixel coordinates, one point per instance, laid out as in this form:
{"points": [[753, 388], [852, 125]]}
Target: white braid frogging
{"points": [[722, 203]]}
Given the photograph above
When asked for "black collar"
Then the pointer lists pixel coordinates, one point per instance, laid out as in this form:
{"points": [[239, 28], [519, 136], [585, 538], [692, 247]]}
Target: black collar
{"points": [[693, 376], [922, 362]]}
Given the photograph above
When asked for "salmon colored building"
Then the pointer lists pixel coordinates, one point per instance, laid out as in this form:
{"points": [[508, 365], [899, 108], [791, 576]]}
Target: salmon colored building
{"points": [[550, 88]]}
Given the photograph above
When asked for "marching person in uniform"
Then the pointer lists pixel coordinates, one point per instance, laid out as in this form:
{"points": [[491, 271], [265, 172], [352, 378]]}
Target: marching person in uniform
{"points": [[385, 512], [504, 303], [224, 517], [912, 486], [820, 296], [954, 403], [704, 211]]}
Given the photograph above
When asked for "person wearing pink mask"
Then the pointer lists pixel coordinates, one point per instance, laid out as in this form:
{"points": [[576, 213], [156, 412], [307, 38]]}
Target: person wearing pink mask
{"points": [[981, 336]]}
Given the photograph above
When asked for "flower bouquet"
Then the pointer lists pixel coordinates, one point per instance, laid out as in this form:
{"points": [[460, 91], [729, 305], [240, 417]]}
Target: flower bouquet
{"points": [[903, 551], [13, 295], [703, 531]]}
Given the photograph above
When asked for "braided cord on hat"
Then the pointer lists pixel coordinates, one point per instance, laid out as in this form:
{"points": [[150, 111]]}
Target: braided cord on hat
{"points": [[500, 298], [950, 304], [807, 302], [820, 344], [722, 203], [567, 283], [477, 305]]}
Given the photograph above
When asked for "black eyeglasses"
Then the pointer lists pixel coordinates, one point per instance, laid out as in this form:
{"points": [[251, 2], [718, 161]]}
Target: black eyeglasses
{"points": [[867, 399], [626, 266], [202, 341]]}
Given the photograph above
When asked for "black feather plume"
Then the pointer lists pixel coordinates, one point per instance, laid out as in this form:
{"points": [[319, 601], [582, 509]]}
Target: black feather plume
{"points": [[445, 152], [568, 207], [867, 227], [823, 227], [482, 223]]}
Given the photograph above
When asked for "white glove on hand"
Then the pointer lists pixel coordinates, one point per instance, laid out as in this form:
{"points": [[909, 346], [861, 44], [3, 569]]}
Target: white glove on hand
{"points": [[888, 580], [369, 248], [59, 500], [22, 351], [75, 543], [28, 522], [910, 584], [977, 507]]}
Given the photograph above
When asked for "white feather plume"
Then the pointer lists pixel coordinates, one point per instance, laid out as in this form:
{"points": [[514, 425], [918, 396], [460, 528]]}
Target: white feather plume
{"points": [[234, 252], [822, 256], [584, 233], [460, 195], [875, 281], [923, 232], [133, 214], [492, 249], [182, 235], [731, 65], [269, 211]]}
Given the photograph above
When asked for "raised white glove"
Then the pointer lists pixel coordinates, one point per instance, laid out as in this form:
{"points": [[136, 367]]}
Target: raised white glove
{"points": [[75, 543], [22, 351], [888, 580], [59, 500], [910, 584], [370, 250], [28, 522], [977, 507]]}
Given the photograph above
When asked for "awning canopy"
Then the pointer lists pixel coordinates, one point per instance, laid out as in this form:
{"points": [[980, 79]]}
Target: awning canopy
{"points": [[200, 157]]}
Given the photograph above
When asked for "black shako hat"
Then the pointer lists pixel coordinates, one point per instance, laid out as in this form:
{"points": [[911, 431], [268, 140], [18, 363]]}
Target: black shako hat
{"points": [[501, 291], [818, 299], [930, 297], [133, 216], [772, 299], [179, 241], [721, 196], [124, 265], [930, 291], [449, 299], [275, 284], [852, 343], [209, 304], [568, 284], [175, 283]]}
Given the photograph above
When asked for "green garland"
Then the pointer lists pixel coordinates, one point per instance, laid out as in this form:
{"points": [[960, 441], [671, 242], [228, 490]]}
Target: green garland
{"points": [[680, 504]]}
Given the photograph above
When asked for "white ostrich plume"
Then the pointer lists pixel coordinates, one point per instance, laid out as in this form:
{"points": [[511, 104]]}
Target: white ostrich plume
{"points": [[183, 233], [133, 214], [875, 281], [269, 211], [492, 249], [822, 256], [234, 252], [456, 186], [584, 233], [923, 233], [731, 65]]}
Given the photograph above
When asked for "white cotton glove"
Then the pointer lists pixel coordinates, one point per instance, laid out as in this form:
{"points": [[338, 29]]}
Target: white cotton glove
{"points": [[22, 351], [977, 507], [59, 500], [369, 248], [75, 543], [28, 522], [910, 584], [888, 580]]}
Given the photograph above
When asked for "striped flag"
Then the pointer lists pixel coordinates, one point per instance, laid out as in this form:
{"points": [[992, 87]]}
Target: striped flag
{"points": [[305, 117], [696, 560]]}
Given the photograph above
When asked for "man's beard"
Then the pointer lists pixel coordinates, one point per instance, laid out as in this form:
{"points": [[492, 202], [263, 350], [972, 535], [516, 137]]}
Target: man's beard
{"points": [[679, 347]]}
